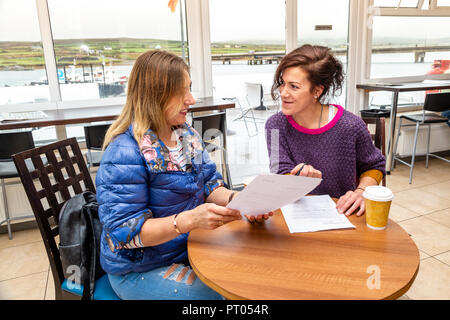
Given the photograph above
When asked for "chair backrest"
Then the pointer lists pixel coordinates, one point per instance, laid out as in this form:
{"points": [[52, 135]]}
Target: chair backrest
{"points": [[253, 93], [379, 136], [45, 182], [13, 142], [95, 134], [437, 102], [211, 126]]}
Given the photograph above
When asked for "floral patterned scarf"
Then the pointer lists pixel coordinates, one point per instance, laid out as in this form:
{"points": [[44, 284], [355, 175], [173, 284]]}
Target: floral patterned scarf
{"points": [[158, 156]]}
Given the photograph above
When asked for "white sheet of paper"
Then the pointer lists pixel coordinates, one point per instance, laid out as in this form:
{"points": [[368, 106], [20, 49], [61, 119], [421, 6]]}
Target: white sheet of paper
{"points": [[314, 213], [269, 192]]}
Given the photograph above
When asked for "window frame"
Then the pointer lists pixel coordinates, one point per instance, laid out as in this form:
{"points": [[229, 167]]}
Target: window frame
{"points": [[362, 13], [51, 69], [433, 11], [199, 44]]}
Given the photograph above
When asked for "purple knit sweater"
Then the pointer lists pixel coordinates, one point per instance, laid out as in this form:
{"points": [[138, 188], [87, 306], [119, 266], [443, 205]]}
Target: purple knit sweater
{"points": [[342, 150]]}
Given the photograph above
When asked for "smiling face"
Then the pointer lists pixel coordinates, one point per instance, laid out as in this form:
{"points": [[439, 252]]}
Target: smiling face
{"points": [[177, 107], [295, 91]]}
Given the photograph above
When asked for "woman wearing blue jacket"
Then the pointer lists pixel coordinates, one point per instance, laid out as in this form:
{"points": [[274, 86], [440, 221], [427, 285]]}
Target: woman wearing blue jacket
{"points": [[155, 184]]}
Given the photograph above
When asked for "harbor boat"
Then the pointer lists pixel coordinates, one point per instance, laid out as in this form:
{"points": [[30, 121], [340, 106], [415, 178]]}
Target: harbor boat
{"points": [[440, 67]]}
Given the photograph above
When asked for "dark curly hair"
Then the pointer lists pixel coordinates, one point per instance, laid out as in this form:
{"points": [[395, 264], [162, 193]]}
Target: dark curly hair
{"points": [[319, 63]]}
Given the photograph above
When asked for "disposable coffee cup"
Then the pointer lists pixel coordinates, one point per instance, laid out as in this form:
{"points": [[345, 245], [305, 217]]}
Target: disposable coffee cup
{"points": [[378, 201]]}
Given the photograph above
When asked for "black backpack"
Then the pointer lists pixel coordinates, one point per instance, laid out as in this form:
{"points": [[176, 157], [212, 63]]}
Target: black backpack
{"points": [[79, 234]]}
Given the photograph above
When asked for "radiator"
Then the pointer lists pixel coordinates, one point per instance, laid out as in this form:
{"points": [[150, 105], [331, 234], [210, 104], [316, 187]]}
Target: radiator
{"points": [[439, 140]]}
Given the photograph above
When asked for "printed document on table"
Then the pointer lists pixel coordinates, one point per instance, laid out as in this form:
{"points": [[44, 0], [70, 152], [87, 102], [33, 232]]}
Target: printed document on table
{"points": [[269, 192], [314, 213]]}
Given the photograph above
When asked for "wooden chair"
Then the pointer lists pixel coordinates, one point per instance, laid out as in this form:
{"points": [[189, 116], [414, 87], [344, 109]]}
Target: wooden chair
{"points": [[47, 189], [379, 136]]}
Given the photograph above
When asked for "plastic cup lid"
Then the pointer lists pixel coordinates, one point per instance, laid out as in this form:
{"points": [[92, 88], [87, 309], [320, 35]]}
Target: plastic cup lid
{"points": [[378, 193]]}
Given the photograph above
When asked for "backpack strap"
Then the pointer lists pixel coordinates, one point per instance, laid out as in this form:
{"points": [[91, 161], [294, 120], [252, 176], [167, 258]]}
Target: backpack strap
{"points": [[89, 282]]}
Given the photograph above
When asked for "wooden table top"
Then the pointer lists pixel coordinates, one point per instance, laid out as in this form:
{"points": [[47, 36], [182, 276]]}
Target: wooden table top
{"points": [[266, 262], [93, 114]]}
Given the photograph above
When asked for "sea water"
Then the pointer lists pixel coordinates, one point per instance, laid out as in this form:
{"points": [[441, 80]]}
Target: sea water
{"points": [[228, 79]]}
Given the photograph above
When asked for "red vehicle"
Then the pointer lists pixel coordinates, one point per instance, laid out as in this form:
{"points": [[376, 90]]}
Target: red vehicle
{"points": [[439, 67]]}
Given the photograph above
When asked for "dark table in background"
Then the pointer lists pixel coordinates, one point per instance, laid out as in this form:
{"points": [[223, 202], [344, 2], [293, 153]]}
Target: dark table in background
{"points": [[94, 114], [396, 89]]}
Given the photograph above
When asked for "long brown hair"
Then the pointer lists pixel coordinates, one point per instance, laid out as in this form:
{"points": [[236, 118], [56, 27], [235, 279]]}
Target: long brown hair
{"points": [[319, 63], [156, 77]]}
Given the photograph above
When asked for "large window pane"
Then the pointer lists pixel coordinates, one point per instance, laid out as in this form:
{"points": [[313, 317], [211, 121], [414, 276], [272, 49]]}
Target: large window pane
{"points": [[22, 69], [326, 27], [244, 28], [408, 46], [443, 3], [396, 3], [97, 42], [247, 39]]}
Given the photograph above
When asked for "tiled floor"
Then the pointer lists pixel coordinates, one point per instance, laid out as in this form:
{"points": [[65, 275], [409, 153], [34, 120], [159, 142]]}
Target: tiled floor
{"points": [[422, 209]]}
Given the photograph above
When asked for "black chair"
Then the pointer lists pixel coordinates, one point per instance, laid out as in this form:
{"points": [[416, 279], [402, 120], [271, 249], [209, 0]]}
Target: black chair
{"points": [[94, 134], [67, 168], [211, 127], [378, 137], [434, 102], [11, 143]]}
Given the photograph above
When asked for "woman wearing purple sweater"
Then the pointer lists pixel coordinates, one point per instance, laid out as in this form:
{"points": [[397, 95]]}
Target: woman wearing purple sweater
{"points": [[322, 140]]}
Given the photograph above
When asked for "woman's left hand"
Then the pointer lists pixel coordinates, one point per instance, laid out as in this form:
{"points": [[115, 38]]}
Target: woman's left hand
{"points": [[259, 217], [350, 202]]}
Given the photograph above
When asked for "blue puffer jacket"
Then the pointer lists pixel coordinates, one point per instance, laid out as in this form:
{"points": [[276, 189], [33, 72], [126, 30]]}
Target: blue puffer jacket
{"points": [[135, 183]]}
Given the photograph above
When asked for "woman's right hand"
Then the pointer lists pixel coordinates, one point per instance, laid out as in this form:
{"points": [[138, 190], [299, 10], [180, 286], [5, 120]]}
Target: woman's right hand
{"points": [[306, 171], [211, 216]]}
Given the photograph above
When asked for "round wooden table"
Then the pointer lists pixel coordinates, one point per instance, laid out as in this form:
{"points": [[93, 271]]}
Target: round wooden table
{"points": [[266, 262]]}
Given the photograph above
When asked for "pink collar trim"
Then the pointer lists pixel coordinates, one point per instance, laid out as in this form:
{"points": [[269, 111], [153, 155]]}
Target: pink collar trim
{"points": [[320, 130]]}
